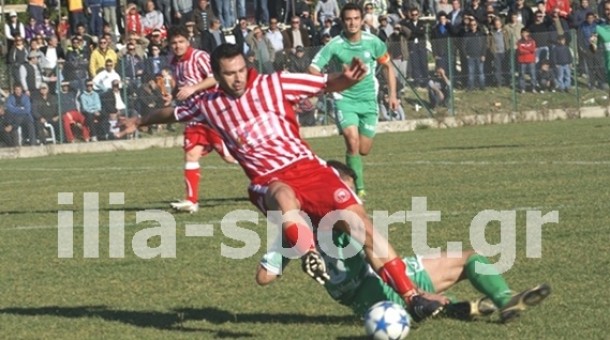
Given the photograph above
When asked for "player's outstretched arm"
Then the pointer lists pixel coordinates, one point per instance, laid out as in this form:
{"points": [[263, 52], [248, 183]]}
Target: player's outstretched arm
{"points": [[351, 75], [161, 116]]}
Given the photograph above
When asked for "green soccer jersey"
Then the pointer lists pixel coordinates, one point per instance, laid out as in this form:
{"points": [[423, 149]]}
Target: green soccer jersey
{"points": [[345, 273], [353, 282], [369, 49], [603, 33]]}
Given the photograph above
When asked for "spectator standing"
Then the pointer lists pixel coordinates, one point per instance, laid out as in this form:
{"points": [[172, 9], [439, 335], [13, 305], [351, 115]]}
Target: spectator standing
{"points": [[96, 17], [475, 47], [17, 56], [265, 54], [526, 58], [76, 13], [541, 31], [202, 15], [593, 62], [133, 20], [325, 9], [165, 7], [418, 55], [439, 40], [13, 29], [498, 41], [36, 9], [109, 7], [398, 47], [261, 12], [524, 13], [561, 57], [183, 11], [225, 13], [213, 37]]}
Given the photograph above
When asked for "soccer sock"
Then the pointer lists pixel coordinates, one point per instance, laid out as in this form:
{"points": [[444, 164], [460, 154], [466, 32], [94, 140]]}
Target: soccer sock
{"points": [[355, 162], [491, 284], [394, 273], [191, 177], [293, 232]]}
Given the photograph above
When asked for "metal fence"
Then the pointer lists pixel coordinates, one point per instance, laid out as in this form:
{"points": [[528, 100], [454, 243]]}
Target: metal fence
{"points": [[563, 75]]}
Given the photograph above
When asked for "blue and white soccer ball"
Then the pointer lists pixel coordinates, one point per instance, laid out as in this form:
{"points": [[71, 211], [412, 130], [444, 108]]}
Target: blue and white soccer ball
{"points": [[386, 320]]}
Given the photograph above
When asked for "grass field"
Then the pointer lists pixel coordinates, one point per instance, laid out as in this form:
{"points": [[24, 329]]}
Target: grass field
{"points": [[562, 165]]}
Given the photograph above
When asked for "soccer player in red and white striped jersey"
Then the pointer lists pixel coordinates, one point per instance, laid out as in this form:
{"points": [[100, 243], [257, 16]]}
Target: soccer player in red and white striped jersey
{"points": [[253, 114], [191, 68]]}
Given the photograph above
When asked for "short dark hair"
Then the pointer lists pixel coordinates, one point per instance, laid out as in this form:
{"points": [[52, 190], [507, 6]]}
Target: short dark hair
{"points": [[176, 31], [224, 51], [350, 6], [342, 169]]}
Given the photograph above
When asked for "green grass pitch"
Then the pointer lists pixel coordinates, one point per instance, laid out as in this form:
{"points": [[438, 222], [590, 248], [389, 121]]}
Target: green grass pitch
{"points": [[561, 165]]}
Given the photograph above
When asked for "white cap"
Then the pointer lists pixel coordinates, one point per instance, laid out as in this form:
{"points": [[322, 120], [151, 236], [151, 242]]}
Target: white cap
{"points": [[12, 14]]}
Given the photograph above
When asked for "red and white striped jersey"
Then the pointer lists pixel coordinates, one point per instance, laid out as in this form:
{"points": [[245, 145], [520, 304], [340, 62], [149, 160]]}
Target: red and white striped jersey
{"points": [[260, 128], [192, 68]]}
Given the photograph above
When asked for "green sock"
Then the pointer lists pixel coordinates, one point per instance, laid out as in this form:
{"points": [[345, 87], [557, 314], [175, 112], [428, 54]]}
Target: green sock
{"points": [[355, 163], [492, 285]]}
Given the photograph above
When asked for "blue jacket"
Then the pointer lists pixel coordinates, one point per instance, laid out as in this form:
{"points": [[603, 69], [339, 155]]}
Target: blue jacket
{"points": [[90, 102], [94, 3], [24, 109]]}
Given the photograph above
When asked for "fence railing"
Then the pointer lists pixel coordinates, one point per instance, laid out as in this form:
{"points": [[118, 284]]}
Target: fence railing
{"points": [[478, 76]]}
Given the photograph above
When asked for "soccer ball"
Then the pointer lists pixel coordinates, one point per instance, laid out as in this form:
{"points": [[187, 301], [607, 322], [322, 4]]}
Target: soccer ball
{"points": [[386, 320]]}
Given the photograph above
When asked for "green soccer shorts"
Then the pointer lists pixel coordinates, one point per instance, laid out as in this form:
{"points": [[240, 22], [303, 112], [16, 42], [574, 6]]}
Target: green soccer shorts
{"points": [[363, 114]]}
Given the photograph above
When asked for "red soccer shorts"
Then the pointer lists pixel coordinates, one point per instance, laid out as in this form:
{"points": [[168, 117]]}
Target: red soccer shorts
{"points": [[317, 186], [200, 134]]}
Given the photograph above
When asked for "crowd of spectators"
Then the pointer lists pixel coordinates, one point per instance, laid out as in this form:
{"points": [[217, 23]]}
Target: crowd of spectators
{"points": [[109, 58]]}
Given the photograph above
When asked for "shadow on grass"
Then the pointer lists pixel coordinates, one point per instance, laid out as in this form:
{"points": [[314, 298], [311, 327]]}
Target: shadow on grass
{"points": [[174, 320], [219, 316]]}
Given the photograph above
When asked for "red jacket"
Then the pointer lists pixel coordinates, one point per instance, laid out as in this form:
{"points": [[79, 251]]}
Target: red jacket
{"points": [[526, 51]]}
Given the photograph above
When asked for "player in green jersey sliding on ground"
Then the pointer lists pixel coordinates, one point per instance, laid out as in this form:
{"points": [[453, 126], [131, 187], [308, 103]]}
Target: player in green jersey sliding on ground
{"points": [[354, 284], [357, 109]]}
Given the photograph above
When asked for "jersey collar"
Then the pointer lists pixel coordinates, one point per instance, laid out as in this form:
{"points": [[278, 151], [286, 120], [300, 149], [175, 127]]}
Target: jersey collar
{"points": [[185, 56]]}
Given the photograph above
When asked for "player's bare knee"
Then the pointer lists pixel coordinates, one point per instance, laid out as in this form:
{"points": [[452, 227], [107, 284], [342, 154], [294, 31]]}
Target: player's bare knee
{"points": [[281, 196]]}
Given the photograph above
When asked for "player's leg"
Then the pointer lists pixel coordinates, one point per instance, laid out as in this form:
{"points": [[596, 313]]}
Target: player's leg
{"points": [[281, 197], [348, 122], [192, 176], [384, 260], [449, 269]]}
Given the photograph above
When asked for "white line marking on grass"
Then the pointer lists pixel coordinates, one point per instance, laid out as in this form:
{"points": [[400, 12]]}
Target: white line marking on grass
{"points": [[483, 163], [127, 168]]}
